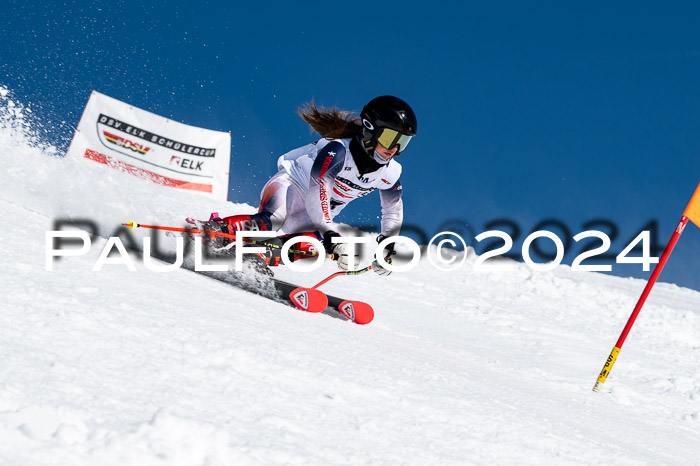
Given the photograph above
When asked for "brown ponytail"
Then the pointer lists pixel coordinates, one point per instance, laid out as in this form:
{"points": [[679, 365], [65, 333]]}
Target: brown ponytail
{"points": [[331, 122]]}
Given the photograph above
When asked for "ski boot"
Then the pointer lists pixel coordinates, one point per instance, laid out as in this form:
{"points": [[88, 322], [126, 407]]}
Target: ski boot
{"points": [[217, 225]]}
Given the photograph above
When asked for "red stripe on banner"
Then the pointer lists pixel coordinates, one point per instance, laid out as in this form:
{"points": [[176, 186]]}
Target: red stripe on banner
{"points": [[141, 173]]}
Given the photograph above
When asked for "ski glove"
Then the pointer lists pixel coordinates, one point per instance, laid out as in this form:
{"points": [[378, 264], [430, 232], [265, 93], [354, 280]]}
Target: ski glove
{"points": [[341, 251], [388, 252]]}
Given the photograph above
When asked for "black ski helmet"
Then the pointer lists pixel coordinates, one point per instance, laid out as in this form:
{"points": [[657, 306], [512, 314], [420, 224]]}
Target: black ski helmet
{"points": [[388, 113]]}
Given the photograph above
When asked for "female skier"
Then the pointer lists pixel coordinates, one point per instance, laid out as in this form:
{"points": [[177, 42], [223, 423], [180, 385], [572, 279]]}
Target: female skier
{"points": [[316, 181]]}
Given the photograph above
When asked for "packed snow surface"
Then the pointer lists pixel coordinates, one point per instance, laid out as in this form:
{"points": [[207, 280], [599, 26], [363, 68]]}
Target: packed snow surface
{"points": [[119, 367]]}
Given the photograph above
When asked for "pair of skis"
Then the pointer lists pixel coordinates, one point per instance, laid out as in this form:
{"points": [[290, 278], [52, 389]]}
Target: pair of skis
{"points": [[314, 300], [306, 299]]}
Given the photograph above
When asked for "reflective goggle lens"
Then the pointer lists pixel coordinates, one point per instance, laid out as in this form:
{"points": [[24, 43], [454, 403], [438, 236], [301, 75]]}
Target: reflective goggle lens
{"points": [[390, 138]]}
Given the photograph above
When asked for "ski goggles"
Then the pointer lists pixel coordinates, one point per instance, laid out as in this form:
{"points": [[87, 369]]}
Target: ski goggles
{"points": [[389, 138]]}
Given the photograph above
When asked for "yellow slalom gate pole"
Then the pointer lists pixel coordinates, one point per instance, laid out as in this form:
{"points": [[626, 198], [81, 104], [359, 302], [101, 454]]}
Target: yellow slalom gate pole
{"points": [[692, 213], [650, 284]]}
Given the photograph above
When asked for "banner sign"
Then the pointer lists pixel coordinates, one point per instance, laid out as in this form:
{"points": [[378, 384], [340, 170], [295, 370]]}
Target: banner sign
{"points": [[152, 147]]}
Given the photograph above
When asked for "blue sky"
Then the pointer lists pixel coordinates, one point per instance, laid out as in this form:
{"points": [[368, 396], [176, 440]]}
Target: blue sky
{"points": [[526, 112]]}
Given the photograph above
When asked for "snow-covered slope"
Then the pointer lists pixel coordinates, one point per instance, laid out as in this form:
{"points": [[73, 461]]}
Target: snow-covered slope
{"points": [[119, 367]]}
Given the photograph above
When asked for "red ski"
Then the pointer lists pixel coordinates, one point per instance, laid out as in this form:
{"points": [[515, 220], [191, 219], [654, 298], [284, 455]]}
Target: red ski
{"points": [[313, 300], [357, 311], [308, 299]]}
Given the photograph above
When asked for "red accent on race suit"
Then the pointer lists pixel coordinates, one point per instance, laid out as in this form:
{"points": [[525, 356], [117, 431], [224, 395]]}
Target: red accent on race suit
{"points": [[267, 194], [340, 185], [341, 194], [323, 194]]}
